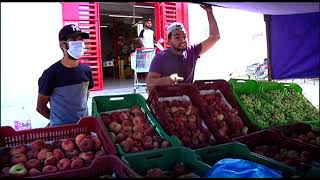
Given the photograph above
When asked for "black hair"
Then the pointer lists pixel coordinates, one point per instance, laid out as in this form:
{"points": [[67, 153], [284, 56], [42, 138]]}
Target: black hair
{"points": [[170, 35]]}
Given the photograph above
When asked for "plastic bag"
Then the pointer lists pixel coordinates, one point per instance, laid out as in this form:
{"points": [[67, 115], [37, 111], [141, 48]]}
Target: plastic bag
{"points": [[240, 168], [22, 120]]}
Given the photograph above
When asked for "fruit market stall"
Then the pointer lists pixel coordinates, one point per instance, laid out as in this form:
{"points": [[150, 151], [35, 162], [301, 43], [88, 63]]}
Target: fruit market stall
{"points": [[182, 130]]}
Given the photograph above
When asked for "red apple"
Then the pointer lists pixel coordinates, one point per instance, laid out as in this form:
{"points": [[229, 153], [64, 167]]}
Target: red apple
{"points": [[137, 135], [157, 139], [51, 160], [77, 163], [120, 137], [34, 172], [105, 118], [129, 141], [18, 158], [38, 144], [147, 145], [138, 120], [49, 169], [125, 146], [56, 144], [135, 109], [165, 144], [126, 132], [126, 123], [86, 156], [33, 163], [48, 146], [67, 145], [203, 138], [138, 128], [115, 127], [44, 154], [155, 145], [71, 154], [58, 153], [20, 149], [79, 138], [32, 154], [147, 139], [148, 131], [97, 143], [123, 116], [64, 164], [86, 144]]}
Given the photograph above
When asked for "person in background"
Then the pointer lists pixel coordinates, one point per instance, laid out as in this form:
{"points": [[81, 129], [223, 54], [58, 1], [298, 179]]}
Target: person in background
{"points": [[146, 36], [66, 83], [177, 64]]}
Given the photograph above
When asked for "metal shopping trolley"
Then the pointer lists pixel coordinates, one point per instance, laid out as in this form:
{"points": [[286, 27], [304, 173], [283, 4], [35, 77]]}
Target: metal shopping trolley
{"points": [[140, 63]]}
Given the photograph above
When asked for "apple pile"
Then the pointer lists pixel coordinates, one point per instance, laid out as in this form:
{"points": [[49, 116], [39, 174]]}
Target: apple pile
{"points": [[42, 157], [299, 159], [132, 130], [182, 119], [179, 170], [224, 120], [308, 137]]}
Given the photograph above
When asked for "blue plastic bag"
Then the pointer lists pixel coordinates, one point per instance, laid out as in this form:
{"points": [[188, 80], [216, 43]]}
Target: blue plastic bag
{"points": [[240, 168]]}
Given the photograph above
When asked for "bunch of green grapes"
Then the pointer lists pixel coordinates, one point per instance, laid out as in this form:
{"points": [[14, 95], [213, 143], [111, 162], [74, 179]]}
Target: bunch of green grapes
{"points": [[258, 108], [293, 105]]}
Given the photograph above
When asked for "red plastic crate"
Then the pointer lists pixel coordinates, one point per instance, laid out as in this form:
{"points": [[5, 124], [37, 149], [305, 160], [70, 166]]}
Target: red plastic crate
{"points": [[298, 128], [88, 125], [9, 137], [271, 137], [226, 90], [224, 87], [174, 90]]}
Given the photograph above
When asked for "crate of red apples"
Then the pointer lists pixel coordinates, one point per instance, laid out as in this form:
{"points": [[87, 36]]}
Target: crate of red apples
{"points": [[73, 150], [225, 117], [300, 132], [178, 109], [130, 124], [269, 143]]}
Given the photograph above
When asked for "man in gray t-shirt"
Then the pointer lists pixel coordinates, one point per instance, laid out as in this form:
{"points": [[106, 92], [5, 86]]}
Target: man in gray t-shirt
{"points": [[177, 64]]}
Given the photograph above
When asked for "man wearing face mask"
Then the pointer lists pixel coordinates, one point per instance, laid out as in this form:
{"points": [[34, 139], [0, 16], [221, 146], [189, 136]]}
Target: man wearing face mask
{"points": [[66, 83], [177, 64]]}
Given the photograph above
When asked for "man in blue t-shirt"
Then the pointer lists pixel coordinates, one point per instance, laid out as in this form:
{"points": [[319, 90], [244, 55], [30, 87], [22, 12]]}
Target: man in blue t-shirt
{"points": [[66, 83], [177, 64]]}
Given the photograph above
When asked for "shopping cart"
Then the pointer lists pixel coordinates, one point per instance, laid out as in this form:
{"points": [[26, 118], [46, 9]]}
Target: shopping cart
{"points": [[140, 63]]}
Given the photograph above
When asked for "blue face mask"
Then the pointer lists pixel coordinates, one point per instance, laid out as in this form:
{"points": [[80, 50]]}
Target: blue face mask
{"points": [[76, 49]]}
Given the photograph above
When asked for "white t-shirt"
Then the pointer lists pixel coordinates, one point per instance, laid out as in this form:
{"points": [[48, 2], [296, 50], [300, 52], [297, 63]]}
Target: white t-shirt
{"points": [[146, 36]]}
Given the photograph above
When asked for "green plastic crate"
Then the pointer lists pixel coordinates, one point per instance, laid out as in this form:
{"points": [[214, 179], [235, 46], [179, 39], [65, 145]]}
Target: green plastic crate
{"points": [[272, 85], [116, 102], [165, 159], [211, 155], [242, 86]]}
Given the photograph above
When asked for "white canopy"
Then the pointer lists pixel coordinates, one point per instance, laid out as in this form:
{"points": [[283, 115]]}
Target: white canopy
{"points": [[272, 8]]}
